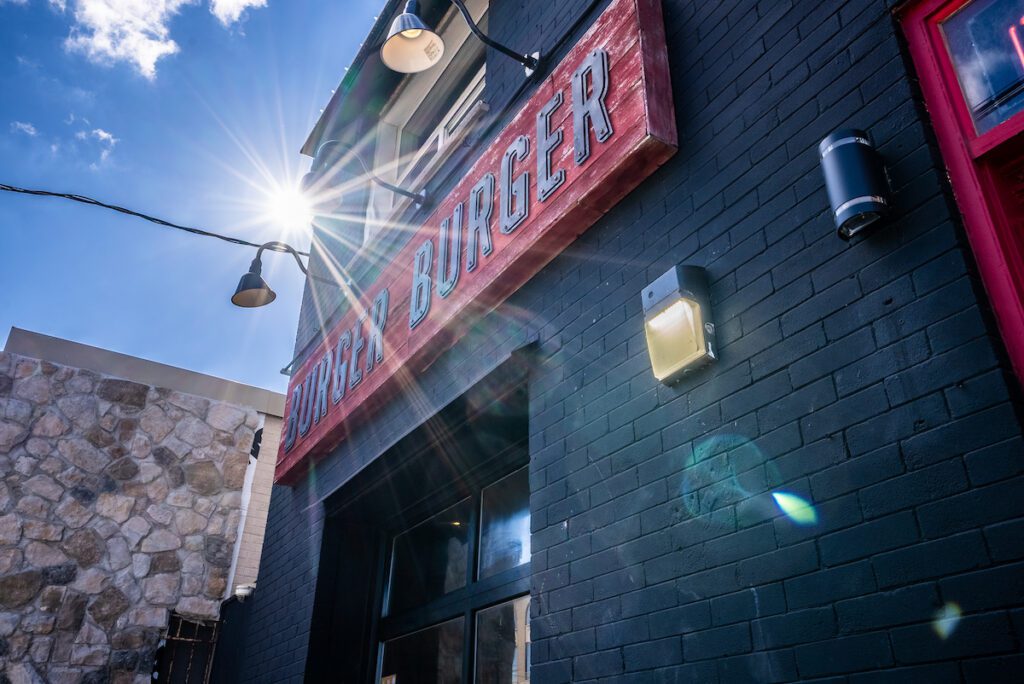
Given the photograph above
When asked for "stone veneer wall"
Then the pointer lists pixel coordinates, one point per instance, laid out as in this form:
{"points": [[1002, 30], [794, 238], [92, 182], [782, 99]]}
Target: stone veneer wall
{"points": [[119, 502]]}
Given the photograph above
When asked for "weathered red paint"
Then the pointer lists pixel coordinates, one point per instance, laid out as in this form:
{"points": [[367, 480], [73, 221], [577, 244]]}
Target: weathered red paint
{"points": [[976, 165], [643, 119]]}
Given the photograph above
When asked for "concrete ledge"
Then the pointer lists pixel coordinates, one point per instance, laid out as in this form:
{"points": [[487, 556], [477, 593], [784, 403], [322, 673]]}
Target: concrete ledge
{"points": [[68, 353]]}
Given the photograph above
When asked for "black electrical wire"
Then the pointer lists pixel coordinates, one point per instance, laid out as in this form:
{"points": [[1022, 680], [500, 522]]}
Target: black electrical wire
{"points": [[152, 219]]}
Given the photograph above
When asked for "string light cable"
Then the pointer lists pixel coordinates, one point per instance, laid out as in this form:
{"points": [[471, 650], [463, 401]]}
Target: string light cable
{"points": [[274, 247]]}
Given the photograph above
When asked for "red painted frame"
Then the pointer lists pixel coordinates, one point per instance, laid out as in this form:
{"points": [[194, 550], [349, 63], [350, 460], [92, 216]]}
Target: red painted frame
{"points": [[643, 118], [968, 157]]}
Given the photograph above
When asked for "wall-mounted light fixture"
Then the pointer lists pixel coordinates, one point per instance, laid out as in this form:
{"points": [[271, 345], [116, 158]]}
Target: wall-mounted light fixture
{"points": [[412, 46], [677, 322], [244, 591], [320, 160], [252, 290], [855, 180]]}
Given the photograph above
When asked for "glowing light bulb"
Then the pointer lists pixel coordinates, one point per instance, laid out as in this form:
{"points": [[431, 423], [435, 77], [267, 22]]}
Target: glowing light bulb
{"points": [[412, 33]]}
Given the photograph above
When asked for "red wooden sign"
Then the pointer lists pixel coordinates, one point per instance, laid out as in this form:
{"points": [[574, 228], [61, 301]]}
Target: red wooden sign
{"points": [[598, 125]]}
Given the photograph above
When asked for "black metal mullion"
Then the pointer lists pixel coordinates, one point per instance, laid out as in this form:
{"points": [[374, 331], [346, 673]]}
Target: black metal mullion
{"points": [[506, 577], [468, 641], [474, 537], [411, 621], [469, 637], [380, 592]]}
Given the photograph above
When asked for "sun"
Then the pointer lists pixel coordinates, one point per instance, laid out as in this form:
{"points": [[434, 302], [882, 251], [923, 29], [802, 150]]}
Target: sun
{"points": [[289, 208]]}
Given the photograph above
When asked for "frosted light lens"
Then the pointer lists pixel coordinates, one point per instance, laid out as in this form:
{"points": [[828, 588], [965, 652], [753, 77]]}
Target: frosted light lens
{"points": [[675, 337]]}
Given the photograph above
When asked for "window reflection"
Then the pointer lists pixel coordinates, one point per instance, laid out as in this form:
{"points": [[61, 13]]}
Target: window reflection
{"points": [[503, 643], [505, 524], [430, 560], [986, 43], [429, 656]]}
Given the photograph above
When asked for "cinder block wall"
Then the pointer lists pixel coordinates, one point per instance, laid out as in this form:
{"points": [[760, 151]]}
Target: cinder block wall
{"points": [[867, 378]]}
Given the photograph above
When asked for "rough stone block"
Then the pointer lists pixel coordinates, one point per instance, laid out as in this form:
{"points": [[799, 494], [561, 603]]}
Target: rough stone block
{"points": [[20, 588], [122, 392]]}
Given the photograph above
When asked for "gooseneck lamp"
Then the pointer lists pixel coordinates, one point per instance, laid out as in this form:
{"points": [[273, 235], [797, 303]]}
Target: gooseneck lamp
{"points": [[252, 290], [855, 180], [677, 323], [412, 46], [320, 161]]}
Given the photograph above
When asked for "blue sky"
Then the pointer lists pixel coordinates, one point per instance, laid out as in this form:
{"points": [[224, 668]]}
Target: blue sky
{"points": [[190, 110]]}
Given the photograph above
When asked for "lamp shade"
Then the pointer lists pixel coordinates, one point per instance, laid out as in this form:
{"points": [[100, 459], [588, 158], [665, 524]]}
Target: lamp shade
{"points": [[411, 45], [677, 311], [252, 291]]}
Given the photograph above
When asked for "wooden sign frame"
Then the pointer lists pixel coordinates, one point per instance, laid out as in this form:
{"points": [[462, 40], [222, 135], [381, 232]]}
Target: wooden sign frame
{"points": [[599, 124]]}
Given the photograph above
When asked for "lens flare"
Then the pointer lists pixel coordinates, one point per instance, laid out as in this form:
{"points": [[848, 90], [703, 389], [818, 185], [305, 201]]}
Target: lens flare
{"points": [[946, 620], [289, 208], [725, 469], [797, 509]]}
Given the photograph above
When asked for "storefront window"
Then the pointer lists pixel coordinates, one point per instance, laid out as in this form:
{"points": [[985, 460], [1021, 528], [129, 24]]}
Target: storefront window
{"points": [[429, 560], [505, 524], [430, 655], [985, 40], [503, 643], [465, 568], [400, 597], [969, 57]]}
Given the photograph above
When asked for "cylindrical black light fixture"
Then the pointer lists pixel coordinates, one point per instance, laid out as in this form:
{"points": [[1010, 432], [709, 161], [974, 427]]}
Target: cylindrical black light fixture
{"points": [[855, 180]]}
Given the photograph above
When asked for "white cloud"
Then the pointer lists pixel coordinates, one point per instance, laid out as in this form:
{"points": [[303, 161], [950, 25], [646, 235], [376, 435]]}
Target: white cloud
{"points": [[136, 31], [133, 31], [104, 136], [230, 11], [24, 127], [106, 139]]}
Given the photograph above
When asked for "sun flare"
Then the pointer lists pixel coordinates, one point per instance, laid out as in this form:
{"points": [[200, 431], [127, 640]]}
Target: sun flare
{"points": [[289, 208]]}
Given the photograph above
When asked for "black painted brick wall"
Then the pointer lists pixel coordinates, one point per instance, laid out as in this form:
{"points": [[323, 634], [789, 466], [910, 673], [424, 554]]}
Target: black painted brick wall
{"points": [[865, 377]]}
